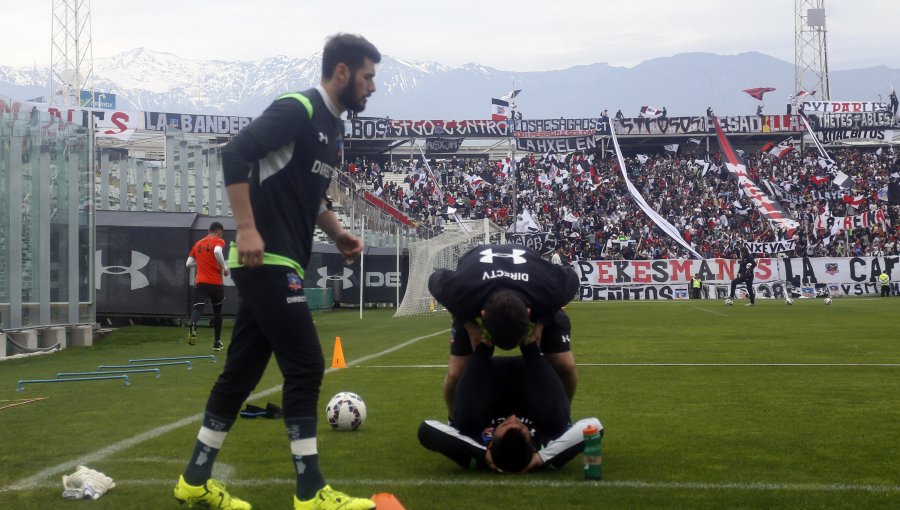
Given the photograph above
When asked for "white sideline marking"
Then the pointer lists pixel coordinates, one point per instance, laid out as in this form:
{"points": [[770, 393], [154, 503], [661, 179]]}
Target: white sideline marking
{"points": [[537, 482], [94, 457], [892, 365], [720, 314], [738, 364]]}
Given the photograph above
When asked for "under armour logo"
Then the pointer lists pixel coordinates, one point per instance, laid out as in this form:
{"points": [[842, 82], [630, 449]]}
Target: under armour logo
{"points": [[566, 339], [487, 256], [323, 138], [138, 262], [344, 278]]}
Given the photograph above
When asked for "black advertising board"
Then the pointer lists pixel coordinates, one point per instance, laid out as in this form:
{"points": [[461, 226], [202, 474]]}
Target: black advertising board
{"points": [[140, 266]]}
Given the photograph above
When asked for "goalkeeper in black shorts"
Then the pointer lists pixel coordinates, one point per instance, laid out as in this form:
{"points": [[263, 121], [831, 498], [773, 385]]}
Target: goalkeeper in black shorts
{"points": [[747, 265], [505, 294]]}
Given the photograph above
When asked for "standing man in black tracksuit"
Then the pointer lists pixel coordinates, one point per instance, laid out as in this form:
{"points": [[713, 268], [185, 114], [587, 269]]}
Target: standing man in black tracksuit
{"points": [[277, 171], [506, 292], [746, 267]]}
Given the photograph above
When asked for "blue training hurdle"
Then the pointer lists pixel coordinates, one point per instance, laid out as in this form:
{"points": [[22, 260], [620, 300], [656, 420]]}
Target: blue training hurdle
{"points": [[210, 357], [22, 382], [190, 366], [133, 371]]}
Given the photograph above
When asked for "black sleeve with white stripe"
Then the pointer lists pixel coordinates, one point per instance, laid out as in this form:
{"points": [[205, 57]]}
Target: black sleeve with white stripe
{"points": [[469, 454], [279, 125], [446, 440], [566, 447]]}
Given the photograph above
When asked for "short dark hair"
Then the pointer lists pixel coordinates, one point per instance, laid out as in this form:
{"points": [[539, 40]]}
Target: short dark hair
{"points": [[351, 49], [512, 451], [506, 318], [214, 226]]}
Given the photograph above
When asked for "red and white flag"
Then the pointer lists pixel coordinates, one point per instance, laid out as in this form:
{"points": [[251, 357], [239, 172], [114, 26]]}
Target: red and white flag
{"points": [[805, 93], [779, 151], [770, 209], [499, 109], [818, 181], [474, 181], [854, 201], [758, 92], [650, 112]]}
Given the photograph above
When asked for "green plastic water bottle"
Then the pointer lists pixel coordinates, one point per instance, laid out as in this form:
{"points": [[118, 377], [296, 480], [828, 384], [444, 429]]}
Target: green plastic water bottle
{"points": [[593, 454]]}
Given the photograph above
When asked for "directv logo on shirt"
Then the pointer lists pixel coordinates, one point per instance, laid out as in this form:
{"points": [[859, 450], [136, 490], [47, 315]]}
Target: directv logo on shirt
{"points": [[499, 273]]}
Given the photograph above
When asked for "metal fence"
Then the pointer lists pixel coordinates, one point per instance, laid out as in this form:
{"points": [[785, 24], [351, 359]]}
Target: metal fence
{"points": [[190, 180], [46, 223]]}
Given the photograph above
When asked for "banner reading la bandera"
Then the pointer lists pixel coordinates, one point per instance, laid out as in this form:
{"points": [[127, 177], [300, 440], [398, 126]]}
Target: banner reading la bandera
{"points": [[774, 278]]}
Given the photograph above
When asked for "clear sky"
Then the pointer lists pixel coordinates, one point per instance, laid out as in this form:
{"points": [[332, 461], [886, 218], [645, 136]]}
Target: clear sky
{"points": [[514, 35]]}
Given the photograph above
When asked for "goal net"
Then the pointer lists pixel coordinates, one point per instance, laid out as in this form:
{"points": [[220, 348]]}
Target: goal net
{"points": [[441, 252]]}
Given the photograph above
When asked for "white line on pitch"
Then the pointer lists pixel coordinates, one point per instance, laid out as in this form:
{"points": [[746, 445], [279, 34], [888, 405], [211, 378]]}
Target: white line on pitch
{"points": [[738, 364], [720, 314], [407, 366], [538, 482], [893, 365], [94, 457]]}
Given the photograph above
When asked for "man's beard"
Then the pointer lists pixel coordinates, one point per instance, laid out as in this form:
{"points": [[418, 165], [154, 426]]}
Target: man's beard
{"points": [[348, 96]]}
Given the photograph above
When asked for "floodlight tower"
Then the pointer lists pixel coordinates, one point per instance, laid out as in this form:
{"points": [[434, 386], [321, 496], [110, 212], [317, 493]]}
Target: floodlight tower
{"points": [[71, 53], [810, 49]]}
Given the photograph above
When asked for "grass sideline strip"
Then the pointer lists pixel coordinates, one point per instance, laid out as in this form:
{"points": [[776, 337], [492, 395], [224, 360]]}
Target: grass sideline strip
{"points": [[94, 457], [535, 481]]}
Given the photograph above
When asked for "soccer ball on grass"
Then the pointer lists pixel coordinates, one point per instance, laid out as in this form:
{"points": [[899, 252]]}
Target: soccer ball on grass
{"points": [[345, 411], [828, 301], [788, 301], [729, 302]]}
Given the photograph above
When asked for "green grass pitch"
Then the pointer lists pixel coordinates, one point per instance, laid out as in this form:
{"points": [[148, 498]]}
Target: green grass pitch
{"points": [[705, 406]]}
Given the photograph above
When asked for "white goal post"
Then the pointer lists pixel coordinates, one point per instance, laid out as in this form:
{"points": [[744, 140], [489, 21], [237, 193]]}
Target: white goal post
{"points": [[441, 252]]}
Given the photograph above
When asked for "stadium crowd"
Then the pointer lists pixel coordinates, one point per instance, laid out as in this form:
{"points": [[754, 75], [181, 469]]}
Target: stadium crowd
{"points": [[584, 204]]}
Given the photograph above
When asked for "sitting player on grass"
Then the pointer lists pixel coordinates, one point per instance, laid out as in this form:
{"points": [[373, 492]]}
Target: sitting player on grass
{"points": [[510, 414]]}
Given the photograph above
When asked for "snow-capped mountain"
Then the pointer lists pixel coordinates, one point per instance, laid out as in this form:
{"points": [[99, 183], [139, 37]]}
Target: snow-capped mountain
{"points": [[147, 80]]}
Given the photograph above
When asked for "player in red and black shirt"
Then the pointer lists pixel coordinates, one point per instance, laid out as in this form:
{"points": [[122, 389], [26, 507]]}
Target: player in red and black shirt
{"points": [[209, 258]]}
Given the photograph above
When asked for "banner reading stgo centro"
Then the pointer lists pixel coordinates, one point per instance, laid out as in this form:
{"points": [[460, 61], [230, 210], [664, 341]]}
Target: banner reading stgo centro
{"points": [[603, 280]]}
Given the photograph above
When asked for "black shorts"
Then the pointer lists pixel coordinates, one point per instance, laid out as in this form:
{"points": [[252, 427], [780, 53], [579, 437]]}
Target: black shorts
{"points": [[209, 293], [555, 338]]}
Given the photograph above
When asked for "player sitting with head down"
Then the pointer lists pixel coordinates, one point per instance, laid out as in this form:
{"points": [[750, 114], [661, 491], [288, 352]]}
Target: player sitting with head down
{"points": [[510, 414], [503, 292]]}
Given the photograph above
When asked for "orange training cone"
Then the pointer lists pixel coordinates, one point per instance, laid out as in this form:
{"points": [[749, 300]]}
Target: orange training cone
{"points": [[387, 501], [337, 361]]}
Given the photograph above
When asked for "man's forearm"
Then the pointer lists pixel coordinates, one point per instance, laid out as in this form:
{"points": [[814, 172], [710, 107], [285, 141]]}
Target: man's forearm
{"points": [[239, 198], [329, 224]]}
